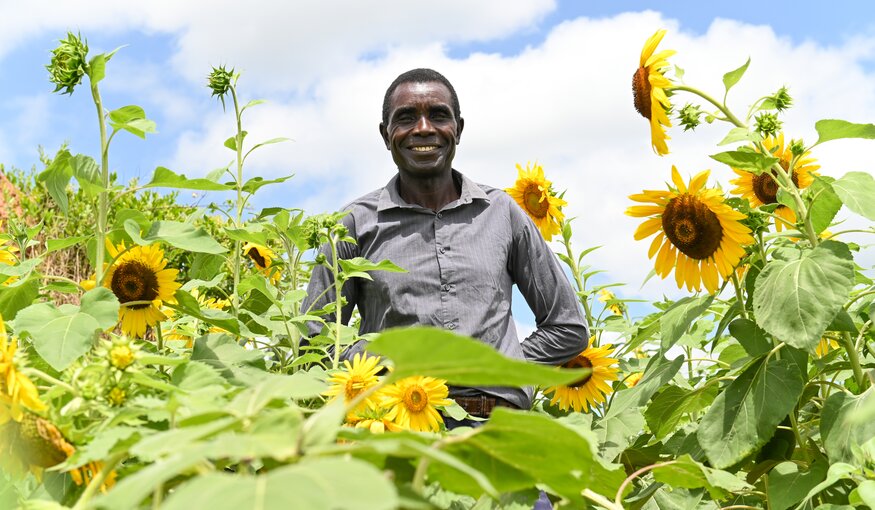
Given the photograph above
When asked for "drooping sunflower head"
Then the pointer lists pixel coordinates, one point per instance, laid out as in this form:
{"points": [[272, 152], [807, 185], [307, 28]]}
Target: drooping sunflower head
{"points": [[697, 233], [140, 280], [648, 88], [586, 393], [413, 401], [262, 257], [762, 189], [534, 193], [17, 391], [69, 63], [355, 378]]}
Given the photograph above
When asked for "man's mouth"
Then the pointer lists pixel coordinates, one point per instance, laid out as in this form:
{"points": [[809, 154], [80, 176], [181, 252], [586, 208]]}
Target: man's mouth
{"points": [[424, 148]]}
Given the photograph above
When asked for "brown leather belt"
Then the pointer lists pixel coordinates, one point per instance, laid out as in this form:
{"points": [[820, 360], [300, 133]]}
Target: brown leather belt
{"points": [[481, 406]]}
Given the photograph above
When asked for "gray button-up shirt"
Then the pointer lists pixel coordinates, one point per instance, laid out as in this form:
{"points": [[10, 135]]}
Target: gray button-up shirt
{"points": [[462, 263]]}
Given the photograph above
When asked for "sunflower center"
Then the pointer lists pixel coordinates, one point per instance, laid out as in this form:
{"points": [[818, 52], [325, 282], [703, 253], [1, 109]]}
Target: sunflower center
{"points": [[536, 203], [641, 92], [353, 387], [415, 398], [255, 255], [765, 187], [692, 227], [580, 362], [134, 281]]}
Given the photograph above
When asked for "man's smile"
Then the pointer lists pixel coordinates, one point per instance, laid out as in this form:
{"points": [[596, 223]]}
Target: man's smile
{"points": [[424, 148]]}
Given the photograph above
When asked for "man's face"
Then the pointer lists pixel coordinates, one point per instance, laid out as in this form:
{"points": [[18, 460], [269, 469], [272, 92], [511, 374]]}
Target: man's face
{"points": [[423, 131]]}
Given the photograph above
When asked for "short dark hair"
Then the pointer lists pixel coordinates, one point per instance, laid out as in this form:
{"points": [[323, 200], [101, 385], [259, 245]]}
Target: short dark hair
{"points": [[421, 75]]}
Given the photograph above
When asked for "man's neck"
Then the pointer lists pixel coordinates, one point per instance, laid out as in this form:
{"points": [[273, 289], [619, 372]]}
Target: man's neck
{"points": [[432, 193]]}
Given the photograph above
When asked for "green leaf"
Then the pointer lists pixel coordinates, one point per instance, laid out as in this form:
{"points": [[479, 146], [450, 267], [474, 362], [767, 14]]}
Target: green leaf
{"points": [[132, 119], [268, 142], [56, 178], [732, 77], [866, 493], [834, 129], [617, 432], [186, 303], [686, 473], [252, 103], [331, 483], [836, 472], [461, 360], [825, 204], [359, 266], [184, 236], [66, 242], [255, 183], [787, 485], [745, 415], [669, 407], [18, 296], [87, 174], [21, 269], [746, 159], [797, 296], [678, 318], [61, 335], [165, 178], [857, 191], [231, 142], [750, 336], [278, 387], [97, 68], [841, 433], [740, 134], [659, 372]]}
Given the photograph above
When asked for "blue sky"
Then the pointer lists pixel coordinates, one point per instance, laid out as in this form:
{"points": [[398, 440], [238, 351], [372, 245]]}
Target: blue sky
{"points": [[538, 80]]}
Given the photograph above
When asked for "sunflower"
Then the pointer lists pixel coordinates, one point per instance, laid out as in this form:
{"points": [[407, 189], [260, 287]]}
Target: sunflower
{"points": [[8, 258], [535, 195], [648, 87], [633, 379], [608, 297], [139, 275], [762, 189], [413, 401], [263, 257], [357, 377], [696, 232], [589, 391], [17, 391], [35, 444], [824, 346]]}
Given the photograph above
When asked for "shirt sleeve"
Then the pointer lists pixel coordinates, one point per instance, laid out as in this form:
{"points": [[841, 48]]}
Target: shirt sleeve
{"points": [[562, 332]]}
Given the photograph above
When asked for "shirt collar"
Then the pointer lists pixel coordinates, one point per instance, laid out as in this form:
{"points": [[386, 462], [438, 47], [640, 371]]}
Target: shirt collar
{"points": [[390, 198]]}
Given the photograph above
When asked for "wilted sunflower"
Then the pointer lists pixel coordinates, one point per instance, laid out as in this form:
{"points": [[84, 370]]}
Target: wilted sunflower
{"points": [[263, 257], [17, 391], [357, 377], [589, 391], [696, 232], [139, 275], [763, 189], [413, 401], [648, 87], [534, 194]]}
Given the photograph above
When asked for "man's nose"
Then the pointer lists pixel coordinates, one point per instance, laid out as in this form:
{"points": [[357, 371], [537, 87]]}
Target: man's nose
{"points": [[424, 125]]}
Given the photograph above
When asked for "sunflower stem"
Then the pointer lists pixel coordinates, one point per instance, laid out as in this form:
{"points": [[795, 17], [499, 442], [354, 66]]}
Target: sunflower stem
{"points": [[98, 480], [581, 284], [618, 499], [49, 379], [794, 424], [102, 201], [738, 296], [338, 299], [235, 299], [785, 179], [729, 115], [854, 358]]}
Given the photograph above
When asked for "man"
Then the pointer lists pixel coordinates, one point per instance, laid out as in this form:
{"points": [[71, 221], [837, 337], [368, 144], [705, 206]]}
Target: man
{"points": [[464, 246]]}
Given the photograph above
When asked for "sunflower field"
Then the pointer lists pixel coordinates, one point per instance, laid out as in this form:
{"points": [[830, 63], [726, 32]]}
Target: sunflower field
{"points": [[177, 373]]}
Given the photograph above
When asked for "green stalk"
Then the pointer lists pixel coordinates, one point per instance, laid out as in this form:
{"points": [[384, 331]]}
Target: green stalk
{"points": [[338, 299], [575, 271], [738, 296], [235, 299], [98, 480], [854, 358], [103, 202], [729, 115]]}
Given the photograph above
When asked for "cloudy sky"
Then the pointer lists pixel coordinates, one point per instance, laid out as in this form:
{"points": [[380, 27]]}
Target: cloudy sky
{"points": [[538, 80]]}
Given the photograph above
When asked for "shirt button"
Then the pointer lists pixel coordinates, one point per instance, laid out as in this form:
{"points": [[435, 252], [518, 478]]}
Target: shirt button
{"points": [[446, 288], [442, 250], [440, 215], [451, 325]]}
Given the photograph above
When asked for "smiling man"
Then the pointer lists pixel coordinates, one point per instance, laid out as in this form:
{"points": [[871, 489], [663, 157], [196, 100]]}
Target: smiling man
{"points": [[464, 245]]}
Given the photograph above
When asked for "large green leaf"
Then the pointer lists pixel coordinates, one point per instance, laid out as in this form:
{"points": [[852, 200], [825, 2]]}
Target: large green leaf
{"points": [[750, 336], [331, 483], [787, 485], [732, 77], [56, 178], [825, 204], [842, 433], [744, 417], [166, 178], [18, 296], [461, 360], [618, 431], [834, 129], [678, 318], [277, 387], [359, 266], [184, 236], [857, 191], [62, 334], [798, 295], [132, 119], [668, 408], [687, 473], [658, 373], [746, 158]]}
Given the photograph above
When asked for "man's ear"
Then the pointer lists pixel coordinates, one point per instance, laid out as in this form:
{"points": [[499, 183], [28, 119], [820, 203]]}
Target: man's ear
{"points": [[385, 134], [461, 125]]}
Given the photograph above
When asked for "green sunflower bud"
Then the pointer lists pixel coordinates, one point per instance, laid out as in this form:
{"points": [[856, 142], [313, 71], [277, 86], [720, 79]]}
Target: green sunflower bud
{"points": [[797, 147], [220, 81], [782, 99], [69, 63], [768, 124], [689, 115]]}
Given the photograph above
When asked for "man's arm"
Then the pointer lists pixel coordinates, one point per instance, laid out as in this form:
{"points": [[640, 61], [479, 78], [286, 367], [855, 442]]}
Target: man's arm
{"points": [[562, 332]]}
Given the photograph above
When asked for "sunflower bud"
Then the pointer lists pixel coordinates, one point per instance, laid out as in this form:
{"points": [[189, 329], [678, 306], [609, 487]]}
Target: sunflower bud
{"points": [[781, 99], [69, 63], [117, 396], [219, 81], [797, 147], [689, 116], [768, 124]]}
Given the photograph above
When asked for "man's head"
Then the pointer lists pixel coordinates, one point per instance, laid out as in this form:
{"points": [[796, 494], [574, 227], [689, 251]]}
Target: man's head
{"points": [[421, 123]]}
